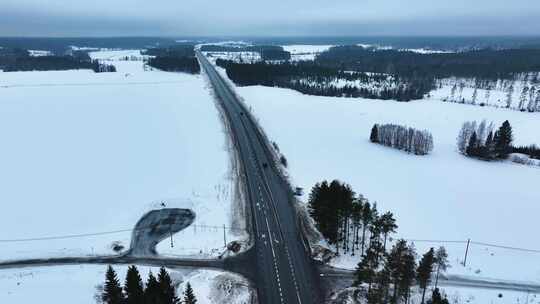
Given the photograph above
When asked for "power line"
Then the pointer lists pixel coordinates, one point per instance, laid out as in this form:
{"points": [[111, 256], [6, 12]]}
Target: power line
{"points": [[231, 228]]}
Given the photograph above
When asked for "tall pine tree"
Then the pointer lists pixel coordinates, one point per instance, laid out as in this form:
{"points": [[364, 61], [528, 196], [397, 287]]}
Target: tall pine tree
{"points": [[503, 144], [424, 270], [152, 291], [112, 291], [374, 137], [189, 295], [166, 287], [133, 286]]}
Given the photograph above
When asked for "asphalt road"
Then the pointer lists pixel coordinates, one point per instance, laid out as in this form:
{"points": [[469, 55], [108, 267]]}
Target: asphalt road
{"points": [[285, 272]]}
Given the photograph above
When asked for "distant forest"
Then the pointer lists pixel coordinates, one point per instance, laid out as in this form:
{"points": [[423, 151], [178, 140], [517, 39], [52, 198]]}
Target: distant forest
{"points": [[315, 79], [356, 71], [267, 52], [185, 50], [174, 59], [12, 60], [485, 64]]}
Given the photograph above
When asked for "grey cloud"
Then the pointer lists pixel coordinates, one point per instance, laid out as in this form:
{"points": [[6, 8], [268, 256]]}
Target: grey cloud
{"points": [[243, 17]]}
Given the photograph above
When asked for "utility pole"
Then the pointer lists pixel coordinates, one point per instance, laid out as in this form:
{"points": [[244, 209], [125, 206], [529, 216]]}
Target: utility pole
{"points": [[170, 231], [466, 252], [224, 237]]}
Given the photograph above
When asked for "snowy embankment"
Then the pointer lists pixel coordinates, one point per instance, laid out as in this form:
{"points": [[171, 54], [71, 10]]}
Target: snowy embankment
{"points": [[86, 153], [437, 198], [81, 284]]}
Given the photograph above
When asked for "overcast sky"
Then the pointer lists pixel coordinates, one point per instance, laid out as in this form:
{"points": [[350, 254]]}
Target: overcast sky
{"points": [[276, 17]]}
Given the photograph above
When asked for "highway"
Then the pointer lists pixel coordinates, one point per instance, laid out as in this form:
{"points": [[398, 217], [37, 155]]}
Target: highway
{"points": [[285, 272]]}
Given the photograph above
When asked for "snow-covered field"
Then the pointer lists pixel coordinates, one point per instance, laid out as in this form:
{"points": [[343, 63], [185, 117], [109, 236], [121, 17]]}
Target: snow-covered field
{"points": [[80, 284], [245, 57], [305, 52], [444, 196], [86, 153]]}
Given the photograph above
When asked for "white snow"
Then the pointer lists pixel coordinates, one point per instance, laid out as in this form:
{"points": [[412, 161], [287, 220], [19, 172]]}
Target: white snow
{"points": [[305, 51], [84, 153], [39, 53], [246, 57], [79, 284], [443, 196]]}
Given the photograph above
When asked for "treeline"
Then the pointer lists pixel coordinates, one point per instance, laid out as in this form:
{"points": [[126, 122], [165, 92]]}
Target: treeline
{"points": [[14, 60], [486, 63], [179, 58], [56, 63], [402, 138], [529, 95], [160, 290], [481, 141], [184, 50], [533, 151], [353, 225], [175, 64], [267, 52], [316, 79]]}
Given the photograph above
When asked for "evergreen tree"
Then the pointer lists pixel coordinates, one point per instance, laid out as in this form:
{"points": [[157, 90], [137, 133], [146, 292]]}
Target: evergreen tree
{"points": [[166, 287], [388, 225], [367, 218], [424, 270], [408, 274], [112, 291], [503, 142], [152, 292], [189, 295], [489, 145], [441, 261], [374, 137], [436, 298], [366, 270], [399, 268], [133, 286], [473, 145]]}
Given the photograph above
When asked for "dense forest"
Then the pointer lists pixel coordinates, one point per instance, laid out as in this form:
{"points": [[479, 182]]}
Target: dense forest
{"points": [[385, 273], [315, 79], [20, 60], [174, 59], [184, 50], [485, 64], [175, 64]]}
